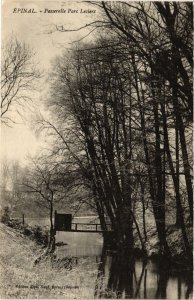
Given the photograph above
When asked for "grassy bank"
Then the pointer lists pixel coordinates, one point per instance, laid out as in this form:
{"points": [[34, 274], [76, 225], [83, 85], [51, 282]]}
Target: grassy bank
{"points": [[175, 243], [22, 278], [37, 233]]}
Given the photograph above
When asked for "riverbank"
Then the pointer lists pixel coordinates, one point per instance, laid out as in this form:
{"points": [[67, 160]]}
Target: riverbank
{"points": [[22, 278], [175, 243]]}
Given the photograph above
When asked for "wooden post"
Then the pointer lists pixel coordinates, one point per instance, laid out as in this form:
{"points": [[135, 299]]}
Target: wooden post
{"points": [[96, 227], [23, 219], [76, 226]]}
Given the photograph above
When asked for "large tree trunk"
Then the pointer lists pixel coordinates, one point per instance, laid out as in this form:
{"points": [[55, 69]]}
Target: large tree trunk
{"points": [[175, 178], [159, 202], [177, 181], [180, 127], [156, 191]]}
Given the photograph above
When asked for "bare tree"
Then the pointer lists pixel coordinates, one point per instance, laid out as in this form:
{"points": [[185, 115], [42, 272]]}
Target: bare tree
{"points": [[40, 181], [119, 104], [18, 77], [10, 187], [45, 181], [128, 94]]}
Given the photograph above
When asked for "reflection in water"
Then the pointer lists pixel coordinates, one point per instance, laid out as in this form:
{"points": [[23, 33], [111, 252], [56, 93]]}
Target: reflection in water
{"points": [[119, 280], [121, 277], [162, 281]]}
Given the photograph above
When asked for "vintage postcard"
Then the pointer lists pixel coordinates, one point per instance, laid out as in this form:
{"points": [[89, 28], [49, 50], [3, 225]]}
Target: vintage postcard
{"points": [[96, 150]]}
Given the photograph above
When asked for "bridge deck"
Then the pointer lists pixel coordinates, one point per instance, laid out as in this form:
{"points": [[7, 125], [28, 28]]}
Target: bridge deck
{"points": [[89, 231], [89, 227]]}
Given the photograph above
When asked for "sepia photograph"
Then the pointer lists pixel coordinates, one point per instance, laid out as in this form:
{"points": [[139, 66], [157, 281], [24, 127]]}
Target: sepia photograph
{"points": [[96, 157]]}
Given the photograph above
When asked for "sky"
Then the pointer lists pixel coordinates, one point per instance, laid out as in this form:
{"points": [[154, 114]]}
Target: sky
{"points": [[35, 29]]}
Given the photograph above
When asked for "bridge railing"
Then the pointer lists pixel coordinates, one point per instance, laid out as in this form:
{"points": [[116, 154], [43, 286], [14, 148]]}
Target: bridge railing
{"points": [[90, 226]]}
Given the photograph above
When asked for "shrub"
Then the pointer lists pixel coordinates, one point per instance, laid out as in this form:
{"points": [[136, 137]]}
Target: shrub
{"points": [[27, 230], [6, 215], [14, 223], [40, 236], [35, 233]]}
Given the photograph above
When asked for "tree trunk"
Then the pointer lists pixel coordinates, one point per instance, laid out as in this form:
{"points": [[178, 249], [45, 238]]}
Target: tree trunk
{"points": [[143, 210], [175, 179], [52, 230], [180, 127], [159, 202], [178, 208]]}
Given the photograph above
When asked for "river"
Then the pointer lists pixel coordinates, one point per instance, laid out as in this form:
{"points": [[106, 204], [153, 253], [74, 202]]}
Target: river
{"points": [[109, 276]]}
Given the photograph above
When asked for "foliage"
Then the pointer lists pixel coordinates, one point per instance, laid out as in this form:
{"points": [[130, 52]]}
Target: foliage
{"points": [[35, 233], [6, 215]]}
